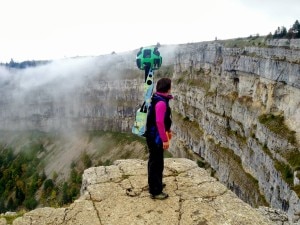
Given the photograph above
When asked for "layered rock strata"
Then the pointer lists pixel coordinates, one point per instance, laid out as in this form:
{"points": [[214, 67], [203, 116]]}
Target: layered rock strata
{"points": [[225, 95]]}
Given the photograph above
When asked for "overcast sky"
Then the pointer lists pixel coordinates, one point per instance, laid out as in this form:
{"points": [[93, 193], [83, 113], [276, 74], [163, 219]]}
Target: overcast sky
{"points": [[52, 29]]}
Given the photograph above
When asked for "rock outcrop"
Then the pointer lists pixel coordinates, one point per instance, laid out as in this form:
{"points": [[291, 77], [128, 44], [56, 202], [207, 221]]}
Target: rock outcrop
{"points": [[118, 194]]}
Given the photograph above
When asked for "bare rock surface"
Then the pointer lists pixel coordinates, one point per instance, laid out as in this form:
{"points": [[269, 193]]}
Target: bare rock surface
{"points": [[2, 221], [118, 194]]}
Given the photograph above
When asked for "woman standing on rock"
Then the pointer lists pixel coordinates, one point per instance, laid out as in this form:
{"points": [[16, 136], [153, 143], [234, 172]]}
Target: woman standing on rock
{"points": [[158, 135]]}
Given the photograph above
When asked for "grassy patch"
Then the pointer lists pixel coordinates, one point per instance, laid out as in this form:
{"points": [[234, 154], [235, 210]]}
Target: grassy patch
{"points": [[243, 179], [297, 190], [179, 80], [244, 42], [11, 218], [186, 124], [203, 164], [293, 157], [165, 71], [241, 139], [286, 172], [267, 150], [105, 163], [229, 98], [168, 154], [246, 100], [200, 81], [275, 123], [211, 93], [230, 153]]}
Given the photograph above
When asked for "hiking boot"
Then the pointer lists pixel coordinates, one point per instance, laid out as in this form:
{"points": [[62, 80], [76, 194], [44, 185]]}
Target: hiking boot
{"points": [[160, 196]]}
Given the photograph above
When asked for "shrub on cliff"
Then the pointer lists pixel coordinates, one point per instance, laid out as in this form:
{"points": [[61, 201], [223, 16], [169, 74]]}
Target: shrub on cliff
{"points": [[275, 123]]}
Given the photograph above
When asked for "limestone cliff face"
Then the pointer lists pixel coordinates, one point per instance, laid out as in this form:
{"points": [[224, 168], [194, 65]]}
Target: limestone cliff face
{"points": [[224, 92], [118, 194]]}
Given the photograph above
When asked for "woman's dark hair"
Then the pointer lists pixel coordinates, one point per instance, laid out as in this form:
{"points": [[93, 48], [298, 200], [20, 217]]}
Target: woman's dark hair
{"points": [[163, 85]]}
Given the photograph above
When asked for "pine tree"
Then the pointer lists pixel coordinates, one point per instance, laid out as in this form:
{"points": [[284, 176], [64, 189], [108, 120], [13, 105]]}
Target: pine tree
{"points": [[283, 32], [296, 29], [11, 206], [2, 205], [276, 33]]}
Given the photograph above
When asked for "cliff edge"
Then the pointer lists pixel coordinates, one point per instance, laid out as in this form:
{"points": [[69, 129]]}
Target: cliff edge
{"points": [[118, 194]]}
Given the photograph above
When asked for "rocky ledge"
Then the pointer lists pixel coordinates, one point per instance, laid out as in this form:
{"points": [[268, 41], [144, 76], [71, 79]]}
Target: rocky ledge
{"points": [[118, 194]]}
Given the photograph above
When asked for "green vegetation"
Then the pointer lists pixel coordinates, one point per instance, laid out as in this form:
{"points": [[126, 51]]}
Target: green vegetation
{"points": [[21, 175], [168, 154], [165, 71], [246, 100], [179, 80], [243, 179], [230, 153], [260, 41], [267, 150], [199, 83], [211, 93], [297, 189], [199, 80], [203, 164], [286, 172], [241, 139], [25, 64], [11, 218], [293, 158], [186, 125], [70, 189], [23, 183], [282, 32], [275, 123], [244, 42]]}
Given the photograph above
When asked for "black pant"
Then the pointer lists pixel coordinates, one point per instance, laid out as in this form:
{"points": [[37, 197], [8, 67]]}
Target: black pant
{"points": [[155, 167]]}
